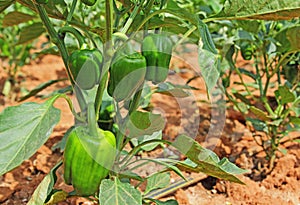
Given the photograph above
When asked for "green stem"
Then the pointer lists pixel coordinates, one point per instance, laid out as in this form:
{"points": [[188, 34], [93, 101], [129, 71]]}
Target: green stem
{"points": [[92, 119], [131, 18], [61, 46], [107, 55], [135, 101], [73, 31], [70, 14]]}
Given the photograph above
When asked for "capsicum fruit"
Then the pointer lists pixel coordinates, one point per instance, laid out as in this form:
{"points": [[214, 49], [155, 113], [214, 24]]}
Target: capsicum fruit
{"points": [[89, 2], [157, 49], [88, 159], [127, 74], [86, 66]]}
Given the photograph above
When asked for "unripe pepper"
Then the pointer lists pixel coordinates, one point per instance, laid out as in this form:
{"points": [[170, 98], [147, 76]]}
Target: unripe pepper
{"points": [[247, 51], [88, 159], [157, 49], [127, 74], [86, 66], [89, 2]]}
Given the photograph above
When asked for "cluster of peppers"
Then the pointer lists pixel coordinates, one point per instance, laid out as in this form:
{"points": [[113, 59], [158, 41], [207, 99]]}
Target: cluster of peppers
{"points": [[88, 155]]}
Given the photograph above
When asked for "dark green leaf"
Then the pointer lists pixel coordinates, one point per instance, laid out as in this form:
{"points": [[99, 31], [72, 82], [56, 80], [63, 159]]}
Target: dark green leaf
{"points": [[23, 130], [15, 18], [118, 193], [248, 73], [258, 124], [31, 32]]}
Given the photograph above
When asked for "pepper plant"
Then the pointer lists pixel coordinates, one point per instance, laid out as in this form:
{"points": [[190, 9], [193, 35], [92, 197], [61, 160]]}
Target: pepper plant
{"points": [[269, 100], [128, 44]]}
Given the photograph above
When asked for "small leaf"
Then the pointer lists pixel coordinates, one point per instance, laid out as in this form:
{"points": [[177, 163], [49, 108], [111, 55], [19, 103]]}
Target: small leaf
{"points": [[173, 90], [145, 138], [156, 181], [209, 67], [31, 32], [118, 193], [259, 113], [43, 191], [285, 95], [258, 125], [15, 18], [23, 130], [144, 123]]}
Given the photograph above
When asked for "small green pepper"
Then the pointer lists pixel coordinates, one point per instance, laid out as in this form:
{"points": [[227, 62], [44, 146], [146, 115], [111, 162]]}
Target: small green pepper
{"points": [[88, 159], [127, 74], [247, 51], [157, 49], [89, 2], [86, 66]]}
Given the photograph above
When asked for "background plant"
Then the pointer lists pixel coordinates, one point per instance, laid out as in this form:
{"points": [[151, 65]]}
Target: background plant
{"points": [[267, 89]]}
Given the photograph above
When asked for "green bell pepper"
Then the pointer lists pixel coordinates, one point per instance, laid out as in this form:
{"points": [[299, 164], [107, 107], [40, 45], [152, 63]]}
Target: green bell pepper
{"points": [[86, 66], [127, 74], [157, 49], [88, 159]]}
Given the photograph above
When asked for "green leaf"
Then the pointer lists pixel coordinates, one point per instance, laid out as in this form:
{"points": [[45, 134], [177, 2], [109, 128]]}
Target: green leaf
{"points": [[118, 193], [15, 18], [209, 67], [23, 130], [40, 87], [285, 95], [206, 161], [294, 120], [31, 32], [55, 8], [170, 89], [260, 9], [206, 38], [145, 138], [157, 181], [259, 113], [144, 123], [4, 4], [258, 125], [44, 190], [293, 35]]}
